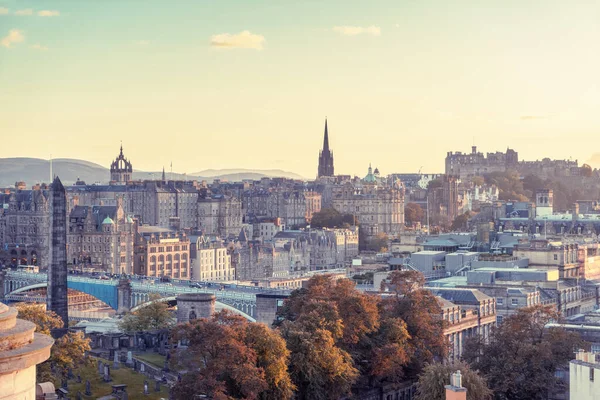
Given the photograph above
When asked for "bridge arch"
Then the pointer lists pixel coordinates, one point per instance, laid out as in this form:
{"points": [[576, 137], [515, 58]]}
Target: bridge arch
{"points": [[218, 306]]}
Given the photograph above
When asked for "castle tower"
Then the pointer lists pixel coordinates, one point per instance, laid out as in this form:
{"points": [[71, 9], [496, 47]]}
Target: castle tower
{"points": [[121, 169], [325, 157], [57, 300]]}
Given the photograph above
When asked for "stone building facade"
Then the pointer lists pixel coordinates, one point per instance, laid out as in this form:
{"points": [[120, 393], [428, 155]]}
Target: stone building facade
{"points": [[24, 227], [378, 208], [211, 260], [101, 237], [162, 254], [219, 215]]}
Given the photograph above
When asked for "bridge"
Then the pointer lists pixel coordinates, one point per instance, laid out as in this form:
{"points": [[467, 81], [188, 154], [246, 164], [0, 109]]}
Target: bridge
{"points": [[113, 291]]}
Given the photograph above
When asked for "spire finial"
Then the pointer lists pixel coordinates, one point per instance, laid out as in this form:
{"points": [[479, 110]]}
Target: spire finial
{"points": [[163, 175], [121, 147]]}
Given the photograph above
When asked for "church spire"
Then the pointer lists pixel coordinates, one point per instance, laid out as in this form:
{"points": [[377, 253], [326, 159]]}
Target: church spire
{"points": [[326, 138], [325, 156], [164, 179]]}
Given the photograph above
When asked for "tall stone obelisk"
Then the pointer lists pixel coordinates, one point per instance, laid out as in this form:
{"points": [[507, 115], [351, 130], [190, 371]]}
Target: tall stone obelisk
{"points": [[57, 271]]}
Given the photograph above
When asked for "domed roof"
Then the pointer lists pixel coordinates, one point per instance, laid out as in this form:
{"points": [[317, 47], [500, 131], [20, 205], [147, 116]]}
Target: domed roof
{"points": [[129, 220], [108, 220]]}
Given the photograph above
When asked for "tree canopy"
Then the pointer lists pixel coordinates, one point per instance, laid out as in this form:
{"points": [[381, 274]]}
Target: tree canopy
{"points": [[228, 358], [331, 218], [522, 356], [372, 340], [436, 376], [155, 315], [68, 352], [413, 213]]}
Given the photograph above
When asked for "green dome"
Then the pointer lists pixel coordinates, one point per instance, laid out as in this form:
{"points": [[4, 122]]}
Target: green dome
{"points": [[107, 220]]}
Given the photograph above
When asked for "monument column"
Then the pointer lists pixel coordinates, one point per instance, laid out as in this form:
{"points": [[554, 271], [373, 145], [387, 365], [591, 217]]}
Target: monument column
{"points": [[57, 299]]}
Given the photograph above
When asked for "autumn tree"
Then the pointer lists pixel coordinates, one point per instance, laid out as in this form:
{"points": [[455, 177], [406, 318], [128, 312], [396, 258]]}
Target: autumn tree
{"points": [[320, 369], [478, 180], [228, 358], [522, 355], [352, 324], [413, 213], [419, 309], [435, 376], [154, 316], [460, 222], [68, 352], [586, 170]]}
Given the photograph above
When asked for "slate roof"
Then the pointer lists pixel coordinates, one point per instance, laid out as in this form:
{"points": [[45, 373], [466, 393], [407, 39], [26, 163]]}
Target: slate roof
{"points": [[461, 296]]}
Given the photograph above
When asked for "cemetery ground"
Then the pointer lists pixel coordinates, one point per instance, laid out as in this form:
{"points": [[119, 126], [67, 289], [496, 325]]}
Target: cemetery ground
{"points": [[122, 375]]}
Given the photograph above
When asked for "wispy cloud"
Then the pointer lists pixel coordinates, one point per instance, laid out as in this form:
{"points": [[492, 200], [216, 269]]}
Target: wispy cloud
{"points": [[25, 11], [532, 117], [48, 13], [242, 40], [38, 46], [4, 10], [14, 36], [357, 30]]}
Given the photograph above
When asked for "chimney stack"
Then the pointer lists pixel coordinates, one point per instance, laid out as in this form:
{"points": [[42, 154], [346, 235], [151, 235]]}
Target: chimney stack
{"points": [[455, 391]]}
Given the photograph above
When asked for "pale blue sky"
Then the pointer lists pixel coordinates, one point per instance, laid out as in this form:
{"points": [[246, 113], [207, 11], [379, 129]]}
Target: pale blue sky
{"points": [[423, 78]]}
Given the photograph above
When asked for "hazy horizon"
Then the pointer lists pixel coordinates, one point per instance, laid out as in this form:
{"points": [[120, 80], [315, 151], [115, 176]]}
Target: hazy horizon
{"points": [[248, 85]]}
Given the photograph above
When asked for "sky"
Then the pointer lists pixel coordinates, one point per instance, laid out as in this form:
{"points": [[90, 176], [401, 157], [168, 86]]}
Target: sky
{"points": [[248, 83]]}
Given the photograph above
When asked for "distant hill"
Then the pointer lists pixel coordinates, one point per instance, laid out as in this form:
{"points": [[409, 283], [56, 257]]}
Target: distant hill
{"points": [[255, 173], [36, 170]]}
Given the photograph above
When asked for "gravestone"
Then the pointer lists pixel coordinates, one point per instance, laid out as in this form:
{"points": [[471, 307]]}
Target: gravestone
{"points": [[78, 378], [88, 388], [116, 361], [157, 385], [129, 358], [142, 368], [146, 391], [79, 395], [100, 367], [107, 373]]}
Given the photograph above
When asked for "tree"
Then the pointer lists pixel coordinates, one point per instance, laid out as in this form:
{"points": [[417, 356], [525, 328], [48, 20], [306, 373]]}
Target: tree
{"points": [[413, 213], [272, 356], [420, 311], [460, 222], [319, 368], [351, 321], [586, 170], [331, 218], [45, 321], [522, 356], [68, 352], [435, 183], [228, 358], [155, 315], [435, 376], [478, 180], [379, 243]]}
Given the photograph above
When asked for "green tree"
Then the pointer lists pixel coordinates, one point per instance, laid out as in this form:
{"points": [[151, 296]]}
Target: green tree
{"points": [[413, 213], [331, 218], [379, 243], [229, 358], [522, 356], [155, 315], [435, 183], [68, 352], [436, 376]]}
